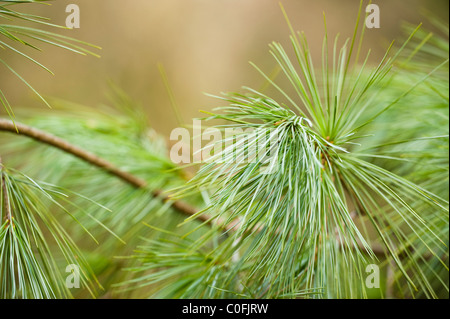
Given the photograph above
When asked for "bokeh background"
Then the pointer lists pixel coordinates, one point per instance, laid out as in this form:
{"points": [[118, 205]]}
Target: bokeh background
{"points": [[204, 45]]}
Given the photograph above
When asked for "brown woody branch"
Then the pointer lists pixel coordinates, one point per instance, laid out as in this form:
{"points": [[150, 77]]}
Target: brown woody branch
{"points": [[49, 139], [5, 199]]}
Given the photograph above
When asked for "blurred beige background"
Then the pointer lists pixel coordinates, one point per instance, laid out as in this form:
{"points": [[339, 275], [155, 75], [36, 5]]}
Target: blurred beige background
{"points": [[204, 45]]}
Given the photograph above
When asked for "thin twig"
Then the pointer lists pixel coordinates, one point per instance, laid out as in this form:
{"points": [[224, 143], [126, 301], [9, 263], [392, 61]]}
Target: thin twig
{"points": [[8, 215], [49, 139]]}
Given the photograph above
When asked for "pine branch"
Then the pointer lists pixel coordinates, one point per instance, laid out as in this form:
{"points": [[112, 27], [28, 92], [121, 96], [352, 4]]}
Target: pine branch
{"points": [[180, 206], [49, 139]]}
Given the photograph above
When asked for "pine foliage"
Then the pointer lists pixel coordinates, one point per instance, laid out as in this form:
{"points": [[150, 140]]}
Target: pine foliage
{"points": [[360, 177]]}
